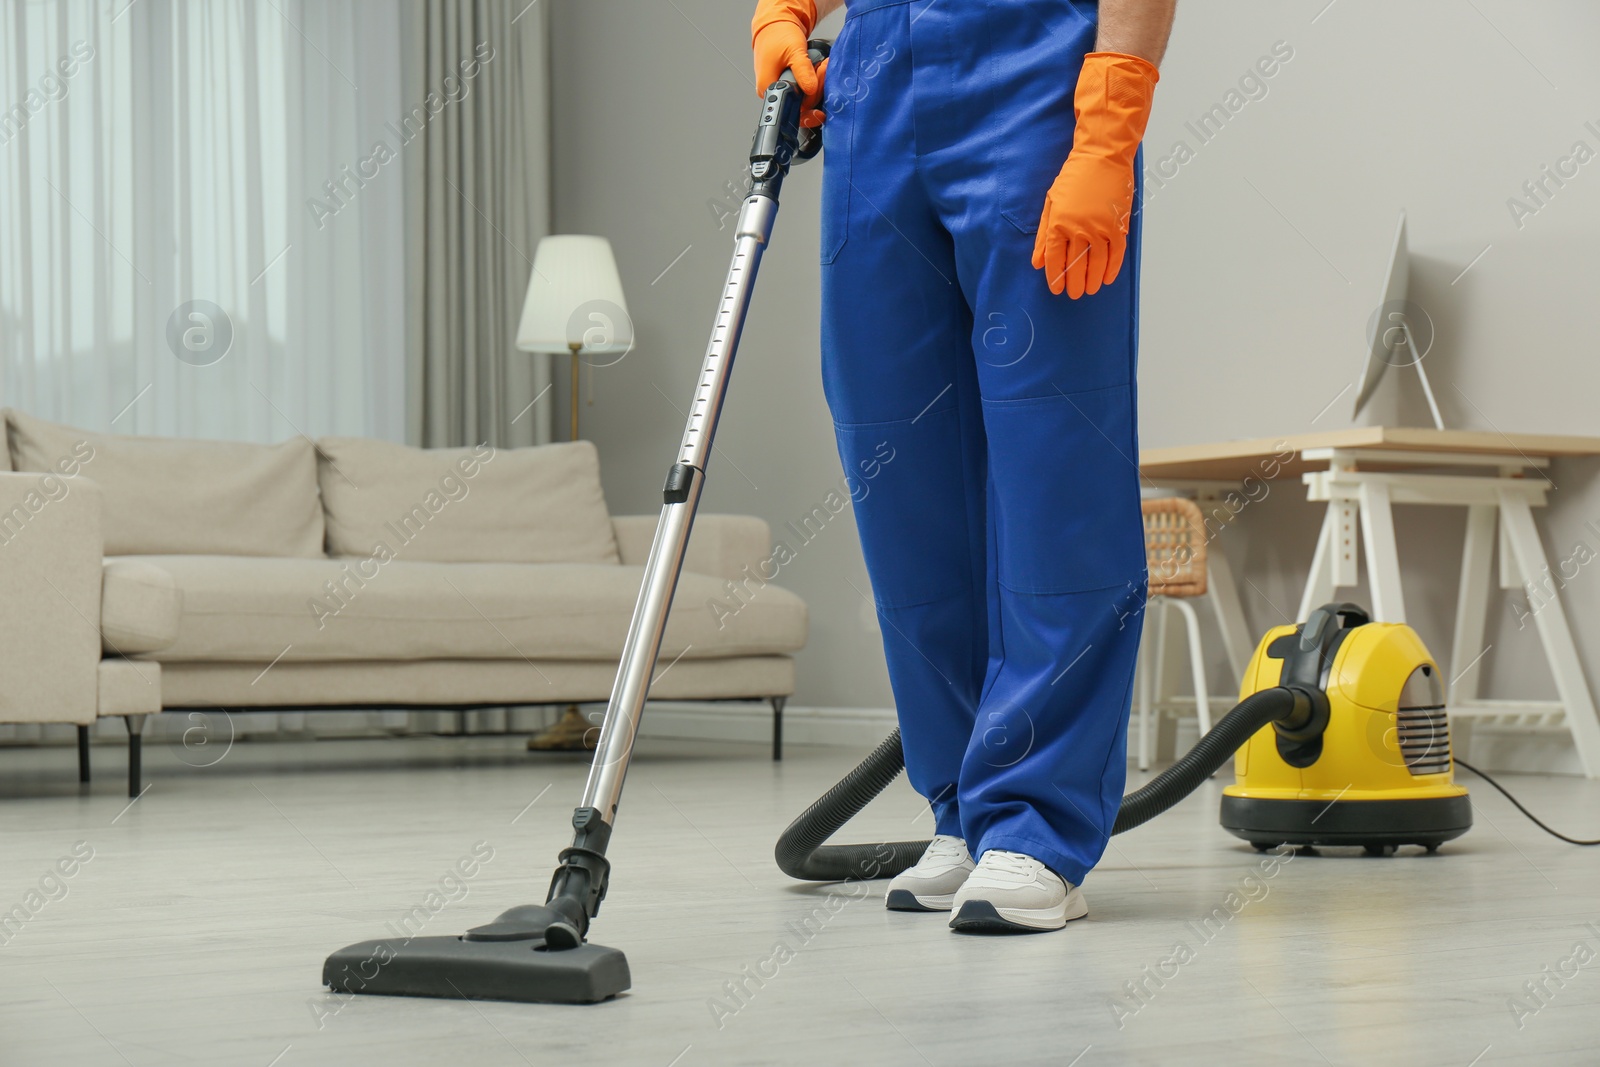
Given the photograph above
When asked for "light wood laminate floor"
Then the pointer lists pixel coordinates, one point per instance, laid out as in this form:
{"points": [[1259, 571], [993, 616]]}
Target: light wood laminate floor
{"points": [[196, 932]]}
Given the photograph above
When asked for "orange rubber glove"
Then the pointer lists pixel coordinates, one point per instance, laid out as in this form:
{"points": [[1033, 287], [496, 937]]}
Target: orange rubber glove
{"points": [[1083, 232], [778, 36]]}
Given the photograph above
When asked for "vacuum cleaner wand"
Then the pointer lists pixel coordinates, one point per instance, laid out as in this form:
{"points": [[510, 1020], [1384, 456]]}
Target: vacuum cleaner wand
{"points": [[539, 952]]}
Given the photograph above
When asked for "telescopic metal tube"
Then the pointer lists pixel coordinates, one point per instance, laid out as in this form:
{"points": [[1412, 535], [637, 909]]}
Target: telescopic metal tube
{"points": [[755, 227], [632, 688]]}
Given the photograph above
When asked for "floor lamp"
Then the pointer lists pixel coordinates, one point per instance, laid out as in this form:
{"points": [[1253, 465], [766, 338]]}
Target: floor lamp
{"points": [[575, 306]]}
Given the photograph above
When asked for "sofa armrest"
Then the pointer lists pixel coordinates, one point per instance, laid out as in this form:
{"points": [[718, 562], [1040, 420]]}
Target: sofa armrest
{"points": [[721, 545], [141, 607], [50, 552]]}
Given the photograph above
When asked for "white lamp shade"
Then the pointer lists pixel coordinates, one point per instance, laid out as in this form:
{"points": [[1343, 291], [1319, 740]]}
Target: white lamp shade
{"points": [[575, 297]]}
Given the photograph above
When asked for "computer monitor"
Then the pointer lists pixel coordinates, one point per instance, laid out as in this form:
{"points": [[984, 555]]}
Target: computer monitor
{"points": [[1392, 331]]}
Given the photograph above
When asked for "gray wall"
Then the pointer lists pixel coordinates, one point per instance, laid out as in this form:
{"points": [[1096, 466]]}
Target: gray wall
{"points": [[1264, 257]]}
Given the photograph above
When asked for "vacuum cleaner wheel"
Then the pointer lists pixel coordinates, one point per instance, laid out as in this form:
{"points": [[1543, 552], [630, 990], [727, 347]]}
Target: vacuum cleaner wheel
{"points": [[1376, 825]]}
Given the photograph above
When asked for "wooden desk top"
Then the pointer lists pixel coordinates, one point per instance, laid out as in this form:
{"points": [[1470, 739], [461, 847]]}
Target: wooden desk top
{"points": [[1232, 461]]}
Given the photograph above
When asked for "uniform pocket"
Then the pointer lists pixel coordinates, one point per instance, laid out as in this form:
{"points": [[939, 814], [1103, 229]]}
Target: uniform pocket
{"points": [[1024, 201], [1035, 49], [838, 134], [835, 227], [1063, 471]]}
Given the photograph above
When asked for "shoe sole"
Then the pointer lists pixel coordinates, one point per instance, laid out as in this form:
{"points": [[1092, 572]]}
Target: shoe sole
{"points": [[901, 898], [982, 917], [906, 900]]}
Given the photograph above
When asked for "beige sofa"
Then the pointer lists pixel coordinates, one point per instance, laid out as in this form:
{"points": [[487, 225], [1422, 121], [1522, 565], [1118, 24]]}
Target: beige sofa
{"points": [[142, 574]]}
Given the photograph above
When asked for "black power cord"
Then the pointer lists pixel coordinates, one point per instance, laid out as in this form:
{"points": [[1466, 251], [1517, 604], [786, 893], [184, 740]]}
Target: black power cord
{"points": [[1518, 804]]}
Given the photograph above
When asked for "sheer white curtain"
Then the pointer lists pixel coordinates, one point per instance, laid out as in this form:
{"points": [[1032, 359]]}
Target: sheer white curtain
{"points": [[172, 173], [160, 153]]}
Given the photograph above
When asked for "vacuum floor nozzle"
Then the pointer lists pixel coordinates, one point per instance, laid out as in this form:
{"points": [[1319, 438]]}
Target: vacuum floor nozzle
{"points": [[456, 968]]}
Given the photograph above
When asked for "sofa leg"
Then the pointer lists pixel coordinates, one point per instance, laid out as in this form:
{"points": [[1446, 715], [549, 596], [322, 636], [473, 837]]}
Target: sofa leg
{"points": [[135, 725], [777, 727], [83, 753]]}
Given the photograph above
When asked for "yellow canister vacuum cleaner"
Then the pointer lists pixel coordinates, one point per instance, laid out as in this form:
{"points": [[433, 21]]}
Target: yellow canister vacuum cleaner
{"points": [[1339, 738], [1373, 768]]}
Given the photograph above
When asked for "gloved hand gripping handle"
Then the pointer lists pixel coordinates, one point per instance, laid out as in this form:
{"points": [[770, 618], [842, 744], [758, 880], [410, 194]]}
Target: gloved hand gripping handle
{"points": [[780, 139]]}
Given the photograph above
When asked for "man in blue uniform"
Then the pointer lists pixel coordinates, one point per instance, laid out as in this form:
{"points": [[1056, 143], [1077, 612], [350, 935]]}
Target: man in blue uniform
{"points": [[980, 315]]}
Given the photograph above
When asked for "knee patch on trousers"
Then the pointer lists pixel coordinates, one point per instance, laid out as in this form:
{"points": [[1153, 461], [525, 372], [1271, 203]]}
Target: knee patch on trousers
{"points": [[1066, 491]]}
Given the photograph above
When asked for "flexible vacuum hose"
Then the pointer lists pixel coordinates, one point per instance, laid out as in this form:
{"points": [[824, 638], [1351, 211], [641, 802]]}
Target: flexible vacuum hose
{"points": [[1201, 762], [802, 853]]}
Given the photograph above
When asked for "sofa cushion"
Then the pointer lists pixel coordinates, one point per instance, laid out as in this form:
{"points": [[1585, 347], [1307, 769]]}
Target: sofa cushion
{"points": [[139, 607], [251, 610], [465, 505], [167, 494]]}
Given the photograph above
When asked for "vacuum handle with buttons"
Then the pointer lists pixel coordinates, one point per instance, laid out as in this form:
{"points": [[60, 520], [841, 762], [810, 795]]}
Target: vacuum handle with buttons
{"points": [[775, 135]]}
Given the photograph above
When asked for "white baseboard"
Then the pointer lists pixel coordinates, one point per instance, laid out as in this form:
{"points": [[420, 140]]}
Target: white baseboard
{"points": [[847, 727], [863, 728], [859, 728], [1503, 751]]}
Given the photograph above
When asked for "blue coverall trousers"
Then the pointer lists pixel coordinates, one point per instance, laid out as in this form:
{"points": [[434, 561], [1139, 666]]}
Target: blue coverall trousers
{"points": [[995, 420]]}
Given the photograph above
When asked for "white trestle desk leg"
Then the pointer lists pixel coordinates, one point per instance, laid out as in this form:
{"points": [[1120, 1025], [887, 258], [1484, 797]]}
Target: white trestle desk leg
{"points": [[1551, 620], [1223, 593], [1510, 573], [1320, 582], [1472, 612], [1383, 559], [1197, 665]]}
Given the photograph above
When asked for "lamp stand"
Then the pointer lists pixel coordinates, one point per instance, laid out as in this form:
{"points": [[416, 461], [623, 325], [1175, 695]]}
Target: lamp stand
{"points": [[572, 732], [572, 386]]}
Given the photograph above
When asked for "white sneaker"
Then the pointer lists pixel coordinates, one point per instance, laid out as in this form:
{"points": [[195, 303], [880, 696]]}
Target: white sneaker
{"points": [[1009, 892], [931, 885]]}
